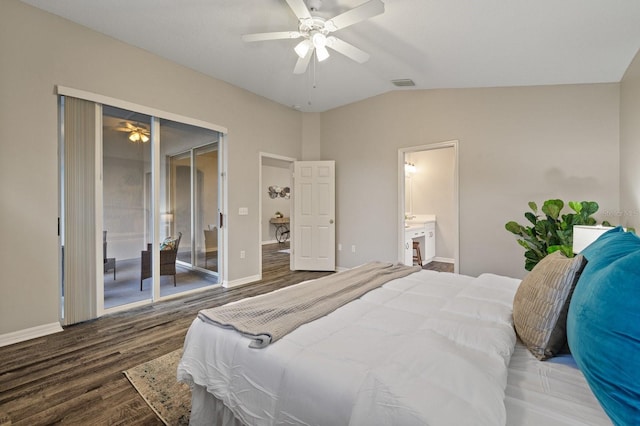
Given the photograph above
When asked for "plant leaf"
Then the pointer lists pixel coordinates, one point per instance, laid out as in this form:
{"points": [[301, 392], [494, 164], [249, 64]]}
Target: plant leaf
{"points": [[575, 206], [590, 207], [552, 208], [531, 217], [533, 206], [514, 227]]}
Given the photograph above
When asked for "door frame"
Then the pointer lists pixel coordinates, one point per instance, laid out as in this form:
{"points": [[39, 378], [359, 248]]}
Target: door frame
{"points": [[261, 157], [456, 198]]}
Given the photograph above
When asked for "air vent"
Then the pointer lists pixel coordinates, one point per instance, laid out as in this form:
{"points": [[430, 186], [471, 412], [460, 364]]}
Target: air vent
{"points": [[403, 82]]}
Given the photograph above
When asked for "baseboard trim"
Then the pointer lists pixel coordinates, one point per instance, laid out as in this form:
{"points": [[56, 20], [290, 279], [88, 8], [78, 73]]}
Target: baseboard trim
{"points": [[29, 333], [444, 260], [241, 281]]}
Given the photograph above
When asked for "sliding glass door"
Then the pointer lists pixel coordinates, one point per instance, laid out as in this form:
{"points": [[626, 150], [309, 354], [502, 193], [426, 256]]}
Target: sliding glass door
{"points": [[126, 168], [140, 201], [187, 194], [194, 199], [190, 190], [206, 211]]}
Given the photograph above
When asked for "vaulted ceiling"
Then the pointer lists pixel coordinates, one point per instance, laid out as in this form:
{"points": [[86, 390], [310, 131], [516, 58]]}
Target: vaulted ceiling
{"points": [[435, 43]]}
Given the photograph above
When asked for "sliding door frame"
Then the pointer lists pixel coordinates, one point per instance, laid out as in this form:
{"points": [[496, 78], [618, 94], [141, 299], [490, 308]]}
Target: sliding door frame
{"points": [[156, 115]]}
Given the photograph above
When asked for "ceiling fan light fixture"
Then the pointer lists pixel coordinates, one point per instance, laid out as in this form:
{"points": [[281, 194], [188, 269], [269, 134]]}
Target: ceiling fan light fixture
{"points": [[319, 39], [302, 48], [322, 53], [315, 31]]}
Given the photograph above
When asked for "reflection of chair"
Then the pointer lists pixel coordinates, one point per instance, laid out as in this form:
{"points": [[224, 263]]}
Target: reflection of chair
{"points": [[210, 243], [168, 255], [109, 262]]}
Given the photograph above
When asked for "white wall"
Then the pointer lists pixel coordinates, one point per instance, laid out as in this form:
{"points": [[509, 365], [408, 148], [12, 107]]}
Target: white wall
{"points": [[629, 213], [46, 51], [516, 145]]}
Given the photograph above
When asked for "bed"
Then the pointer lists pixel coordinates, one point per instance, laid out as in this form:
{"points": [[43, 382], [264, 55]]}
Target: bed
{"points": [[428, 348]]}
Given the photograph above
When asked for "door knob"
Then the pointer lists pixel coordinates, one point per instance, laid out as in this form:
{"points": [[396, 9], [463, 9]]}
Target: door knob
{"points": [[330, 220]]}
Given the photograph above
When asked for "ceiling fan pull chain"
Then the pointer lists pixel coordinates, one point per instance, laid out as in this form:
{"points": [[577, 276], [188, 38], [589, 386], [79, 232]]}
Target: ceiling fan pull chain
{"points": [[314, 73]]}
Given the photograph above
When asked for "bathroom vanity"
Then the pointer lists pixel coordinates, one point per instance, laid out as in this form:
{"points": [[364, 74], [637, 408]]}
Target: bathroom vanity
{"points": [[420, 228]]}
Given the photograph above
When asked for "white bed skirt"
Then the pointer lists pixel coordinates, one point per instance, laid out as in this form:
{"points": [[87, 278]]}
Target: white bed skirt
{"points": [[207, 410]]}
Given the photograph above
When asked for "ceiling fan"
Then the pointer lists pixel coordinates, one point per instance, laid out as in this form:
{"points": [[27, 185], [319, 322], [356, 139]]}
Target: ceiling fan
{"points": [[315, 32], [137, 132]]}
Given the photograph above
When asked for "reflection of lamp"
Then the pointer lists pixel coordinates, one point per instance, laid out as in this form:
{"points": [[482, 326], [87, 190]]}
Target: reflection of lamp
{"points": [[409, 167], [167, 218], [136, 136]]}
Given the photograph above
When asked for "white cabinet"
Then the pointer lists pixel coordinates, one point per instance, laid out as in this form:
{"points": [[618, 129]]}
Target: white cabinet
{"points": [[425, 235], [414, 232], [429, 249]]}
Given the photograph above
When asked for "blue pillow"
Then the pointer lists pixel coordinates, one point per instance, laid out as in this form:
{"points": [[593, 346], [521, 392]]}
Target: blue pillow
{"points": [[603, 325]]}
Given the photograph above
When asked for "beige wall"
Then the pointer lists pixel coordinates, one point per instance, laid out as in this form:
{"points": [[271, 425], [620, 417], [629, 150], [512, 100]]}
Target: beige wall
{"points": [[630, 146], [311, 136], [515, 145], [40, 51]]}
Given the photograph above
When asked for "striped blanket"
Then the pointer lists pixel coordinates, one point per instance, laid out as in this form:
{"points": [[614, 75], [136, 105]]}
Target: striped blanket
{"points": [[266, 318]]}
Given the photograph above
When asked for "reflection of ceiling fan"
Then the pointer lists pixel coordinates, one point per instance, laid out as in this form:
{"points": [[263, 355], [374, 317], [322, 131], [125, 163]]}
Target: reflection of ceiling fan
{"points": [[315, 32], [137, 132]]}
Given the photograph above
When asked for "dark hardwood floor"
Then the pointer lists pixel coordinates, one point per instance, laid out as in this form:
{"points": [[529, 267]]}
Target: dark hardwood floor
{"points": [[75, 377], [438, 266]]}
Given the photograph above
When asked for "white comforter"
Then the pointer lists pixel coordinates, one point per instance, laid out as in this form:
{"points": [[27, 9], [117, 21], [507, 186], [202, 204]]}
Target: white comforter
{"points": [[427, 349]]}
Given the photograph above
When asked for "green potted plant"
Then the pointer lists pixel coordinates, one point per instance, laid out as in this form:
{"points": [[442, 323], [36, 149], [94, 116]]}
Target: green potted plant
{"points": [[551, 231]]}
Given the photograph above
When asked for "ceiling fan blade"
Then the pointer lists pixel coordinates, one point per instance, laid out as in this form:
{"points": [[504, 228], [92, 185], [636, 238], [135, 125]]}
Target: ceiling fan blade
{"points": [[348, 50], [299, 9], [303, 63], [278, 35], [357, 14]]}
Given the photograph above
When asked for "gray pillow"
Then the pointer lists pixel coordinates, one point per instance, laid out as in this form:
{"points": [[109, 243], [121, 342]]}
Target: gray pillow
{"points": [[541, 303]]}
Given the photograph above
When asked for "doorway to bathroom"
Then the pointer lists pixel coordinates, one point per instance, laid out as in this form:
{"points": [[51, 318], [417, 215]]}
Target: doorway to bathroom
{"points": [[428, 195]]}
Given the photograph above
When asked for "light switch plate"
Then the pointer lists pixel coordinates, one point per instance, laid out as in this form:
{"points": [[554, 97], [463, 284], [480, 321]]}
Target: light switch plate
{"points": [[243, 211]]}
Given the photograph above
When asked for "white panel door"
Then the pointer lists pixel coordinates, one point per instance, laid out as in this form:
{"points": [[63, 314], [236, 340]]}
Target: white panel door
{"points": [[313, 222]]}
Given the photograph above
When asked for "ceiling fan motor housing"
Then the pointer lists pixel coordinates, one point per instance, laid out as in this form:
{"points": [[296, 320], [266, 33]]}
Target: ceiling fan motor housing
{"points": [[315, 24]]}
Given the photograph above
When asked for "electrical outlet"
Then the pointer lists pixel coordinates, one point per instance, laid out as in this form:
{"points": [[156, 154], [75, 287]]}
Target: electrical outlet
{"points": [[353, 249], [242, 254]]}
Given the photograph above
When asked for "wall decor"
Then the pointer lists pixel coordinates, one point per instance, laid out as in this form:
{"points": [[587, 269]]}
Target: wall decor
{"points": [[277, 191]]}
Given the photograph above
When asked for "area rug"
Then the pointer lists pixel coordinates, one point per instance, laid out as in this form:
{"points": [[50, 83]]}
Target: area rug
{"points": [[156, 382]]}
